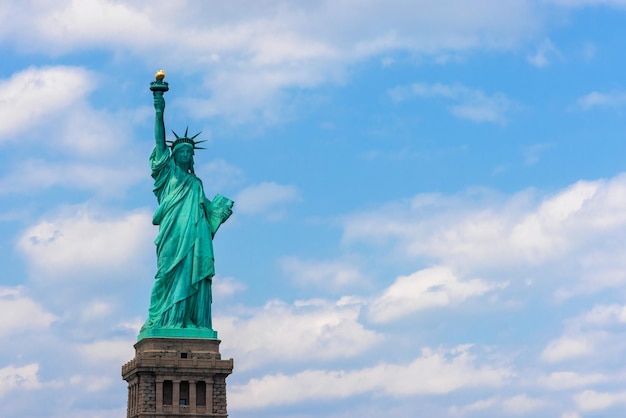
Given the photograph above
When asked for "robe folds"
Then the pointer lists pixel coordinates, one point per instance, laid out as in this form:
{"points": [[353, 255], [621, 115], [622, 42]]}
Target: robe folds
{"points": [[187, 220]]}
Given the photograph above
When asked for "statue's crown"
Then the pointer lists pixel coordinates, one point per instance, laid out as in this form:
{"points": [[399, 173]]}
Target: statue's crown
{"points": [[185, 140]]}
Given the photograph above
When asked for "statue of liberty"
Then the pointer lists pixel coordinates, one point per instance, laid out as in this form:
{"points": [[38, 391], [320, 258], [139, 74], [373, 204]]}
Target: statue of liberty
{"points": [[180, 304]]}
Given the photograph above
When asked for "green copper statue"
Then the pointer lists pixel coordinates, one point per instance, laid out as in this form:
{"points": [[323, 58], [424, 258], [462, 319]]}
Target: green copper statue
{"points": [[180, 305]]}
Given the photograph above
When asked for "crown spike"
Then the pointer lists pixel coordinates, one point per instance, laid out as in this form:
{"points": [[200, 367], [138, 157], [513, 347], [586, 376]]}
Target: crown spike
{"points": [[185, 140]]}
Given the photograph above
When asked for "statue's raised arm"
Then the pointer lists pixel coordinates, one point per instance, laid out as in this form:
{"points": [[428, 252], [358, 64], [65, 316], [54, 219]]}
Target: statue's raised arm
{"points": [[159, 125], [159, 87]]}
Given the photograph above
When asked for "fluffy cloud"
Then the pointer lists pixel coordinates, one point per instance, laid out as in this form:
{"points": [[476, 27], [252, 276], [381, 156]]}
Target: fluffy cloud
{"points": [[567, 380], [422, 26], [92, 384], [82, 241], [603, 315], [515, 405], [33, 176], [110, 352], [224, 287], [428, 288], [545, 52], [21, 313], [314, 329], [580, 224], [88, 22], [598, 99], [95, 134], [479, 405], [439, 372], [324, 274], [598, 332], [248, 53], [522, 404], [533, 153], [36, 93], [591, 400], [267, 198], [469, 104], [46, 109], [218, 174], [23, 378], [568, 347]]}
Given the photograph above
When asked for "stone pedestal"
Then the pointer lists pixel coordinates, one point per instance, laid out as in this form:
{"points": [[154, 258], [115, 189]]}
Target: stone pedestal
{"points": [[177, 377]]}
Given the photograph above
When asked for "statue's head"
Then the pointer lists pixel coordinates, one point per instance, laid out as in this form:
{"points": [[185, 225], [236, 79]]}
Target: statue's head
{"points": [[183, 150], [183, 156]]}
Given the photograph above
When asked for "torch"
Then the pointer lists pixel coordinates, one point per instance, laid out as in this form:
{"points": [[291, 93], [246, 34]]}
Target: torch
{"points": [[159, 86]]}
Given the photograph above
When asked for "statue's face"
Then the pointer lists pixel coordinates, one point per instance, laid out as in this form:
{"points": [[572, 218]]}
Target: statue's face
{"points": [[183, 155]]}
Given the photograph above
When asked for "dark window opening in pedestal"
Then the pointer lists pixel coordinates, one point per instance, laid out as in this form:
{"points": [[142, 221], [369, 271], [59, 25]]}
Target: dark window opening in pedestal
{"points": [[183, 355], [168, 391], [200, 393], [184, 393]]}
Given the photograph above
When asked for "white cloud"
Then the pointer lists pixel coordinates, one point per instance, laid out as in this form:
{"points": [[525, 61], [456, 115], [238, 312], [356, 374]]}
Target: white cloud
{"points": [[580, 224], [96, 309], [434, 372], [479, 405], [603, 315], [91, 384], [522, 404], [218, 174], [107, 351], [226, 286], [36, 93], [592, 334], [564, 380], [598, 99], [313, 330], [590, 400], [515, 405], [77, 24], [268, 198], [95, 134], [568, 347], [413, 25], [19, 378], [546, 51], [20, 313], [34, 175], [249, 53], [83, 241], [324, 274], [470, 104], [532, 153], [428, 288], [46, 109], [133, 325]]}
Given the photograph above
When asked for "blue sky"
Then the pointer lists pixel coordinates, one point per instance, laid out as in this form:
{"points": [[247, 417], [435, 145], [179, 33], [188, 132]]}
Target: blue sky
{"points": [[430, 201]]}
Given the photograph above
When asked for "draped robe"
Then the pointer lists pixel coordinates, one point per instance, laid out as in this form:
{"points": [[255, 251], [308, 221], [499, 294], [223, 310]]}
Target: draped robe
{"points": [[181, 296]]}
